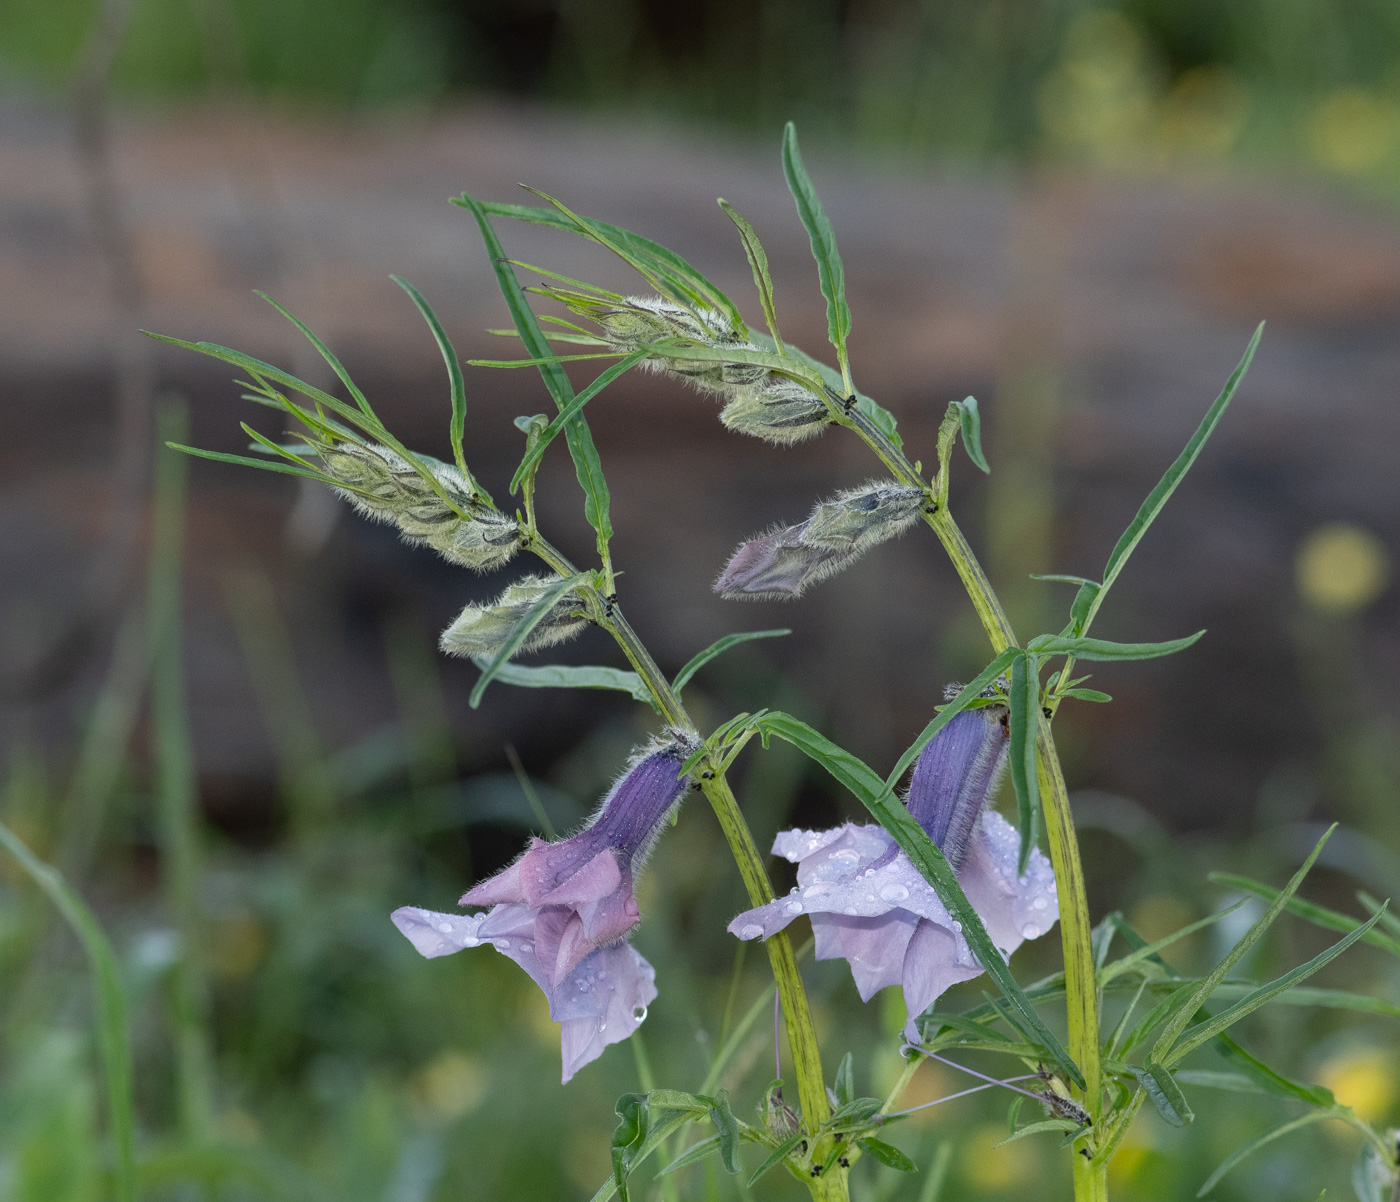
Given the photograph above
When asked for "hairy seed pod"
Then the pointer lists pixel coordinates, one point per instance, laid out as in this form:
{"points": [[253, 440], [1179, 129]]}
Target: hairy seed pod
{"points": [[781, 411], [783, 563], [481, 630]]}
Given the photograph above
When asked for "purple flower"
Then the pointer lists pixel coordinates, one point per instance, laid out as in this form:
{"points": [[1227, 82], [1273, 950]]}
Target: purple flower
{"points": [[562, 910], [870, 906]]}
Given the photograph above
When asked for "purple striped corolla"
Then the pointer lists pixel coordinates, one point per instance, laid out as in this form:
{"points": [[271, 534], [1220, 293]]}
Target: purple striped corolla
{"points": [[563, 909], [870, 906]]}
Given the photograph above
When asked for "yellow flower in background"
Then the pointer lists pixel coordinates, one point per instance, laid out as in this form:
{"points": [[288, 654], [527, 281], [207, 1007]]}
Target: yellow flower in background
{"points": [[1342, 568], [1364, 1079], [989, 1167], [450, 1086], [1354, 131]]}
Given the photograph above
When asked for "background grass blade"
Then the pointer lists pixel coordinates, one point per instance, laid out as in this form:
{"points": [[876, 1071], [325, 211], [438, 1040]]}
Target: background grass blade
{"points": [[113, 1039]]}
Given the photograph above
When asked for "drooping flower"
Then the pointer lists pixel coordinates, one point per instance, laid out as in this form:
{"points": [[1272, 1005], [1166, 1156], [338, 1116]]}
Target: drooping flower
{"points": [[870, 906], [562, 910], [781, 564]]}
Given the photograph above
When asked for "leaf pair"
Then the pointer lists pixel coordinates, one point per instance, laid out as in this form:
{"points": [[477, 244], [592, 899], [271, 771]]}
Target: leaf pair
{"points": [[647, 1120]]}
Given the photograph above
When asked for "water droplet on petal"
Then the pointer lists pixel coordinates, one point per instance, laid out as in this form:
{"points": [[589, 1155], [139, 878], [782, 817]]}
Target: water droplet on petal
{"points": [[751, 931], [603, 1026], [527, 946], [1038, 904], [503, 944], [870, 872], [639, 1014], [817, 888], [793, 907], [894, 893], [1030, 931], [445, 928], [582, 986], [845, 861], [957, 926]]}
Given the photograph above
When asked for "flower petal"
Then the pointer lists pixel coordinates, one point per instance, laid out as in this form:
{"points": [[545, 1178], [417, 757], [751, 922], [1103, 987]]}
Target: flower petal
{"points": [[874, 947], [435, 934], [602, 1001]]}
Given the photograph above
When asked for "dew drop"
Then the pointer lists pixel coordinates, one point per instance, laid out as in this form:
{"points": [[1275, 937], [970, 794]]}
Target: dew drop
{"points": [[817, 888], [957, 926], [445, 928], [793, 907], [870, 872], [1038, 904], [894, 893], [845, 861], [1030, 931], [603, 1026], [527, 946], [752, 931], [850, 911], [503, 944], [639, 1014], [582, 986]]}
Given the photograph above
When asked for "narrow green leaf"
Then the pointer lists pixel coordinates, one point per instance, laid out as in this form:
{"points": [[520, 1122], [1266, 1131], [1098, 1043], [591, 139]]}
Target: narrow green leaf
{"points": [[887, 1154], [878, 798], [458, 387], [1056, 644], [830, 273], [1159, 496], [266, 465], [1087, 695], [1183, 1016], [113, 1040], [692, 1155], [568, 413], [971, 423], [970, 692], [1170, 1005], [568, 676], [1266, 1078], [845, 1087], [1320, 916], [1388, 920], [1316, 1116], [758, 264], [324, 351], [1164, 1094], [719, 647], [532, 618], [728, 1127], [1025, 722], [587, 465], [1083, 605], [1207, 1030], [775, 1158], [1231, 1082], [650, 259], [1149, 951], [1040, 1128], [1062, 579], [878, 416]]}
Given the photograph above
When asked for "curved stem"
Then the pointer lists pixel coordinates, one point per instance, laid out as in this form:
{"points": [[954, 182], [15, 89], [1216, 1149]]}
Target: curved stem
{"points": [[802, 1036]]}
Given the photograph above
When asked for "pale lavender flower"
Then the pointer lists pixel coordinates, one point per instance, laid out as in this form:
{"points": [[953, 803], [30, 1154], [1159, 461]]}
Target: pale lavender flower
{"points": [[870, 906], [561, 910]]}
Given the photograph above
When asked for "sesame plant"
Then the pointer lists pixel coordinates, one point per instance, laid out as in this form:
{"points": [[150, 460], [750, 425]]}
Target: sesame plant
{"points": [[938, 888]]}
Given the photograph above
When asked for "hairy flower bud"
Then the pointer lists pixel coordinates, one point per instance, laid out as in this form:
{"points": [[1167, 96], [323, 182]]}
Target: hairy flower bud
{"points": [[382, 485], [780, 410], [636, 320], [956, 774], [480, 630], [781, 564], [562, 910]]}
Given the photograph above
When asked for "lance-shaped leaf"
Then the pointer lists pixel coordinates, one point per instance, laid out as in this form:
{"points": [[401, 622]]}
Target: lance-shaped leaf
{"points": [[830, 273], [457, 386], [845, 1087], [1159, 496], [1269, 1079], [1210, 1028], [719, 647], [758, 263], [1056, 644], [886, 1154], [775, 1158], [970, 422], [1164, 1093], [877, 797], [1025, 722], [1321, 916], [587, 465], [570, 676], [1197, 997], [533, 617]]}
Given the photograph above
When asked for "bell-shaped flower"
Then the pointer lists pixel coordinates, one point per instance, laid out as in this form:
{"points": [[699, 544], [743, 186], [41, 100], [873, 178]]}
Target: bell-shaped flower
{"points": [[562, 910], [870, 906]]}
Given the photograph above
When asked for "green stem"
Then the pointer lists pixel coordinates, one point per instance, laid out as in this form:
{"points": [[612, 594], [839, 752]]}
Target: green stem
{"points": [[802, 1036]]}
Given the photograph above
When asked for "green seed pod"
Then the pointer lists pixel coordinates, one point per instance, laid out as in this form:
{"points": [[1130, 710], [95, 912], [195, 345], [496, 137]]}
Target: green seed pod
{"points": [[857, 519], [781, 411], [480, 630]]}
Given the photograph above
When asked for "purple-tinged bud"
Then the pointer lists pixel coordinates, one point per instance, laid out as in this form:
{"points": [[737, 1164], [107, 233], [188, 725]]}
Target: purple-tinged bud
{"points": [[562, 910], [780, 411], [480, 630], [956, 774], [783, 563]]}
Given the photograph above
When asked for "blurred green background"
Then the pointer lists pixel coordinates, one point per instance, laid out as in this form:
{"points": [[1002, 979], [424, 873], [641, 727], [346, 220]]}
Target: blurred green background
{"points": [[243, 841]]}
